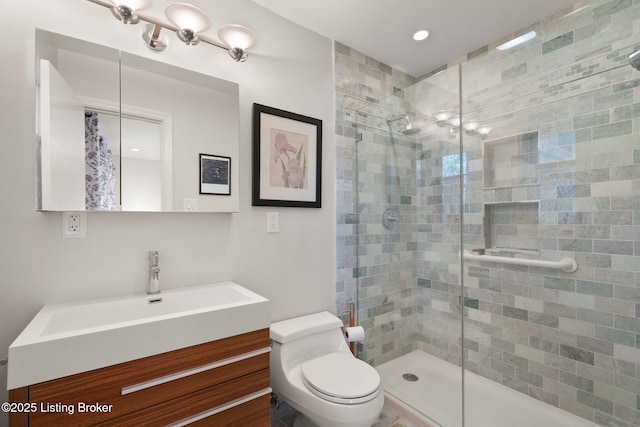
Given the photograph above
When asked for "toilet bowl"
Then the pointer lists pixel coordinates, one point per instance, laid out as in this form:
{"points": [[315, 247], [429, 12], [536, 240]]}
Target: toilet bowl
{"points": [[313, 370]]}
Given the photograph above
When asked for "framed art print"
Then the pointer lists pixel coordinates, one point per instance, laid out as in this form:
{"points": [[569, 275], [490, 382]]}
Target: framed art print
{"points": [[215, 175], [287, 158]]}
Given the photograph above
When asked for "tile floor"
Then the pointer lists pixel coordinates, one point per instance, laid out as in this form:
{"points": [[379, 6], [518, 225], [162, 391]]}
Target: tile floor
{"points": [[284, 416]]}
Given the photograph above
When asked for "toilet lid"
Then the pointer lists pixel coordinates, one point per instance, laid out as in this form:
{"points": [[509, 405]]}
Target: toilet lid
{"points": [[341, 375]]}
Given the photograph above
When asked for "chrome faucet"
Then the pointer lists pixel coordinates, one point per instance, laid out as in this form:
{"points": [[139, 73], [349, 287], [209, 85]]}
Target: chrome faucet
{"points": [[154, 271]]}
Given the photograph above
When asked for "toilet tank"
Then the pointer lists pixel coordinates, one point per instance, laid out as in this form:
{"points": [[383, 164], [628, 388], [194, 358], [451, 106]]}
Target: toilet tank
{"points": [[307, 337], [292, 329]]}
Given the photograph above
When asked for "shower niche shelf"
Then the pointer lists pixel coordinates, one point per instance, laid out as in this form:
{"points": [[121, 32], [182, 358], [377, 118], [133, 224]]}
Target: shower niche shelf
{"points": [[512, 227], [511, 161]]}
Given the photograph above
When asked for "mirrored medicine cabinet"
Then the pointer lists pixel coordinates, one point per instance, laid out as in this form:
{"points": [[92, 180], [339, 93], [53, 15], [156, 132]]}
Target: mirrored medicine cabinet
{"points": [[120, 132]]}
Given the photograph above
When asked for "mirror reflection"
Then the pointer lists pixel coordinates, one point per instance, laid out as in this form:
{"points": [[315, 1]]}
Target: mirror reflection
{"points": [[120, 132], [136, 161]]}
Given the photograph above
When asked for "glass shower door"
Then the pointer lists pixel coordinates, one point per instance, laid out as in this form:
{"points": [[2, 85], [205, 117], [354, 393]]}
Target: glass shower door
{"points": [[409, 174]]}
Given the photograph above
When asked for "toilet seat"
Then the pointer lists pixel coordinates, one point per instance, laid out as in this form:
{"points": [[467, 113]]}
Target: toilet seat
{"points": [[341, 378]]}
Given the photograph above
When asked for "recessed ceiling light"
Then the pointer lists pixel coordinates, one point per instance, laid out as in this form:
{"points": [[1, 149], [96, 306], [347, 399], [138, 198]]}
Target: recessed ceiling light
{"points": [[421, 35], [517, 41], [135, 150]]}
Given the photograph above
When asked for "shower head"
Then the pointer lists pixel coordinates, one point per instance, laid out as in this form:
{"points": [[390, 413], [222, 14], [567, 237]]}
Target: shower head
{"points": [[398, 117], [409, 129], [634, 59]]}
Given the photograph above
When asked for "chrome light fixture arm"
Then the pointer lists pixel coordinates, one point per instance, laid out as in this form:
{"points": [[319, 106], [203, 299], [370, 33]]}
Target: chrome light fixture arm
{"points": [[152, 37]]}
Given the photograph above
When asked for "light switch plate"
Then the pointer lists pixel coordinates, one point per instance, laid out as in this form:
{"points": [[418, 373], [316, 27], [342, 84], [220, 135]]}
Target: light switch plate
{"points": [[191, 205]]}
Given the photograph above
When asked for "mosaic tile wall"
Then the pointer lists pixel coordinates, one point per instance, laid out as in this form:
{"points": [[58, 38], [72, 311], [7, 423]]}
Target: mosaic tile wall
{"points": [[569, 339]]}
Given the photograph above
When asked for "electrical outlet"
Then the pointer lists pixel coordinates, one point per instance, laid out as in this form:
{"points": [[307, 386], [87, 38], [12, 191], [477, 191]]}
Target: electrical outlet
{"points": [[74, 225], [273, 222]]}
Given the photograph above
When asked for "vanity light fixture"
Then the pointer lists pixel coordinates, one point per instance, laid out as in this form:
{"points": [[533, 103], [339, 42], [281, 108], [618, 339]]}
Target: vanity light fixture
{"points": [[153, 39], [454, 121], [190, 21], [125, 10], [187, 21], [473, 127], [441, 117], [448, 119], [239, 38], [470, 126]]}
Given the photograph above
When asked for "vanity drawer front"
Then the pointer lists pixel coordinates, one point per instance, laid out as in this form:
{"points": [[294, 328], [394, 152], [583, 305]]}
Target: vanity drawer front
{"points": [[256, 413], [134, 385], [185, 407]]}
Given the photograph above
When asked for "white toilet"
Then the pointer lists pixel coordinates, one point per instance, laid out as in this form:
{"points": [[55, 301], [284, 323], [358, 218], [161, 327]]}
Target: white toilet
{"points": [[313, 370]]}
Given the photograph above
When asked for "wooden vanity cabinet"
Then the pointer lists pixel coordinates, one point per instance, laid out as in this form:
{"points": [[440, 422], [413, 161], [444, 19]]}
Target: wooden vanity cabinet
{"points": [[220, 383]]}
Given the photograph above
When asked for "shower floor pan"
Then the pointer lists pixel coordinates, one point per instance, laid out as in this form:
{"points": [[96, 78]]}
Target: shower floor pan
{"points": [[436, 394]]}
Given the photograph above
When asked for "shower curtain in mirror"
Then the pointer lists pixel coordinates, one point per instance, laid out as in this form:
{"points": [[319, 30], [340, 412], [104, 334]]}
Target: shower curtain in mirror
{"points": [[100, 168]]}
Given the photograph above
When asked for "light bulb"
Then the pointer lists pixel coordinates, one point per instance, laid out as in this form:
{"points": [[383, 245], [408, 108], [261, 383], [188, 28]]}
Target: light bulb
{"points": [[234, 35], [134, 5], [421, 35], [238, 38], [454, 121], [470, 126], [189, 19], [125, 10], [441, 117]]}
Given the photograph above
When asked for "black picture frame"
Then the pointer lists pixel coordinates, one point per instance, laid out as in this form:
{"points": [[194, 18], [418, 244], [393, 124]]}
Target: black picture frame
{"points": [[287, 159], [215, 175]]}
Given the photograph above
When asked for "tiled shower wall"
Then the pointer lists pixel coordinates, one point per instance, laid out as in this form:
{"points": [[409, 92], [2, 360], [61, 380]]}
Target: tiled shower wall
{"points": [[569, 339], [386, 270]]}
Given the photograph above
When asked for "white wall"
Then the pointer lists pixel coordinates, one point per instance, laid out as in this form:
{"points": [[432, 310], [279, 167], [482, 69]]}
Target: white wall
{"points": [[291, 70], [142, 182]]}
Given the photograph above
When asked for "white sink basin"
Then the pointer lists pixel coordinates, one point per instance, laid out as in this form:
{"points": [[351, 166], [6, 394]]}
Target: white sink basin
{"points": [[66, 339]]}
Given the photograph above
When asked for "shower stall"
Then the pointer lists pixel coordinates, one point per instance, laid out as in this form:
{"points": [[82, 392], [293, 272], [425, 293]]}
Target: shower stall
{"points": [[498, 230]]}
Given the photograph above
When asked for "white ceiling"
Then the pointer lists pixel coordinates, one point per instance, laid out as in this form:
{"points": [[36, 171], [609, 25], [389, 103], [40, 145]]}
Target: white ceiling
{"points": [[383, 29]]}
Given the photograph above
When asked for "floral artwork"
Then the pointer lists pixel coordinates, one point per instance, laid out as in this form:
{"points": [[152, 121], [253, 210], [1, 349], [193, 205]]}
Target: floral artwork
{"points": [[287, 159], [290, 151]]}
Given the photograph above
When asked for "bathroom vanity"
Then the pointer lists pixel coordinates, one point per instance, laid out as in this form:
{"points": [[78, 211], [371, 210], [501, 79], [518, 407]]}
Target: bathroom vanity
{"points": [[220, 378], [224, 382]]}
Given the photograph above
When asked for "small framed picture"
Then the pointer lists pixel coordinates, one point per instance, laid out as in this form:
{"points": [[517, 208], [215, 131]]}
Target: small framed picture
{"points": [[215, 175], [287, 158]]}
